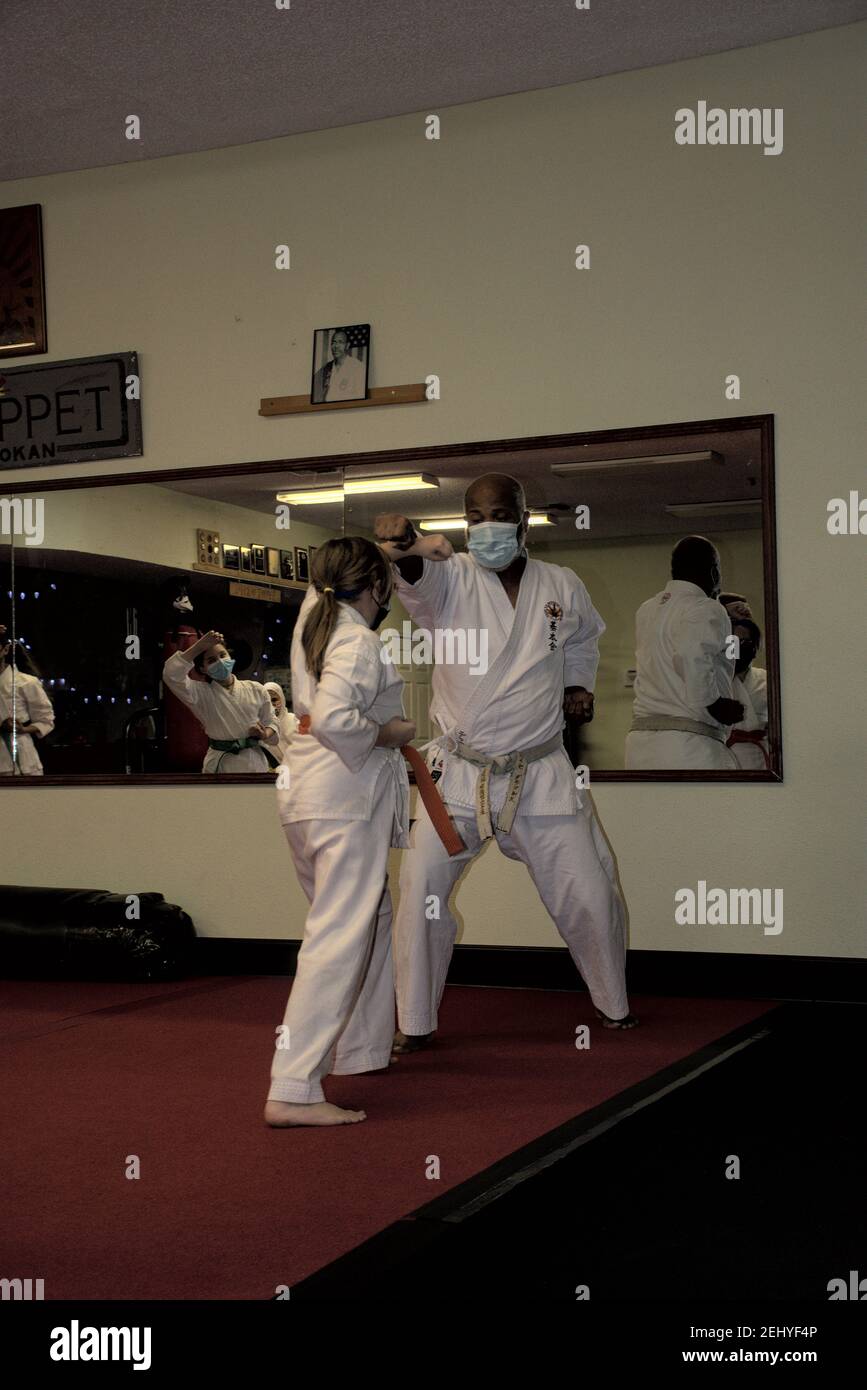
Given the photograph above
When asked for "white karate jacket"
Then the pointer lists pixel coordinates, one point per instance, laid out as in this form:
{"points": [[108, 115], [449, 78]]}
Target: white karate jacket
{"points": [[32, 706], [548, 641], [335, 772], [680, 650]]}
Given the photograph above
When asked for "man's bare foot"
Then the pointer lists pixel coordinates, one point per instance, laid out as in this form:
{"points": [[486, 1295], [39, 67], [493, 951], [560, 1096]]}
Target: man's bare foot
{"points": [[280, 1114], [628, 1021], [409, 1042]]}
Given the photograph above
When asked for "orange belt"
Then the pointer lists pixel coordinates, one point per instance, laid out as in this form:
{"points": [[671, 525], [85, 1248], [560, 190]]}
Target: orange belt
{"points": [[431, 799], [741, 736]]}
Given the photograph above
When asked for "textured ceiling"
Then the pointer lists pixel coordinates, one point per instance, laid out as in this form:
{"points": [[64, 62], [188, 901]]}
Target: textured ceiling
{"points": [[227, 72]]}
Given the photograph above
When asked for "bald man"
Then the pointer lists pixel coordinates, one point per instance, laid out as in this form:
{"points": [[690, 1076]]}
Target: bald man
{"points": [[502, 768], [683, 707], [342, 378]]}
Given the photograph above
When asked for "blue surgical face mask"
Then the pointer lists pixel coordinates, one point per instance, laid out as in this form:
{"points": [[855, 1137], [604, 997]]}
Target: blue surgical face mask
{"points": [[494, 544], [221, 670]]}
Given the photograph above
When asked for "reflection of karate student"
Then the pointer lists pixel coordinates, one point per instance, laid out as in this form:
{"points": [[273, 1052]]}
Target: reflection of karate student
{"points": [[748, 739], [341, 379], [236, 715], [283, 718], [33, 713], [683, 685], [505, 771], [346, 803]]}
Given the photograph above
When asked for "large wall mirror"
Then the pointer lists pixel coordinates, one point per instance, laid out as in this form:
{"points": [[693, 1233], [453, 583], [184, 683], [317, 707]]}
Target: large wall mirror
{"points": [[103, 582]]}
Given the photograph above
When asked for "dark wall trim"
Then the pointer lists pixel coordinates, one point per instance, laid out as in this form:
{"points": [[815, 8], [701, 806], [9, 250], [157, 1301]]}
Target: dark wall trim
{"points": [[392, 457], [706, 974]]}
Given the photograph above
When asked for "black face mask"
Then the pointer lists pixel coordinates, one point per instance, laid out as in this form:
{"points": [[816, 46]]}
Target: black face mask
{"points": [[746, 654], [381, 612]]}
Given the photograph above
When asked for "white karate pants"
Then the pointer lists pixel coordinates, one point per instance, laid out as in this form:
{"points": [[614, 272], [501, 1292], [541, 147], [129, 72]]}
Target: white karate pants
{"points": [[29, 762], [248, 760], [340, 1014], [570, 864], [676, 750]]}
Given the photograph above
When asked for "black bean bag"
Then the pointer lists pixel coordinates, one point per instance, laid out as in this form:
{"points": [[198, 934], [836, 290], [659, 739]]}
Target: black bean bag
{"points": [[86, 933]]}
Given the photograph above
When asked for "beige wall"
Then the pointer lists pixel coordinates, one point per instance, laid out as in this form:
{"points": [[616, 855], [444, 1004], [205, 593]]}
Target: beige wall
{"points": [[154, 524], [705, 261]]}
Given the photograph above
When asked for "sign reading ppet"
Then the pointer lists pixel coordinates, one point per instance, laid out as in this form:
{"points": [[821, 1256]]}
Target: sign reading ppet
{"points": [[70, 412]]}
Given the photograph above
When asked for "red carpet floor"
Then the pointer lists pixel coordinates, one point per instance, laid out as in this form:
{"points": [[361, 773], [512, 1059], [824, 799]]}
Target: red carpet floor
{"points": [[226, 1208]]}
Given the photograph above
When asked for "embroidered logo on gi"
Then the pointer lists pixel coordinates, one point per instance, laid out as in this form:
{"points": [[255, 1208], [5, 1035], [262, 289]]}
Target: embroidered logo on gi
{"points": [[665, 598], [554, 614]]}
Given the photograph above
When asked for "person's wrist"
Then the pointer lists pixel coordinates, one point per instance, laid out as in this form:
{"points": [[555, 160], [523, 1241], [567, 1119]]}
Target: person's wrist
{"points": [[404, 543]]}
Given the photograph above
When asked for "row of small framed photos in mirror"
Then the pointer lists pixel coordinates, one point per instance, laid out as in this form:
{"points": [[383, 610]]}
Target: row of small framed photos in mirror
{"points": [[256, 559], [262, 559]]}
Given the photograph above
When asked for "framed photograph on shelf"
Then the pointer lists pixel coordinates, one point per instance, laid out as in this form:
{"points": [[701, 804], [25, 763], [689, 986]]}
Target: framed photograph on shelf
{"points": [[302, 564], [272, 562], [258, 559], [340, 363], [246, 559], [231, 557], [287, 564], [22, 284]]}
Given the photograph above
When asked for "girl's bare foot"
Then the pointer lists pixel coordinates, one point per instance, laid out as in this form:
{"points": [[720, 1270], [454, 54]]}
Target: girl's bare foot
{"points": [[281, 1114]]}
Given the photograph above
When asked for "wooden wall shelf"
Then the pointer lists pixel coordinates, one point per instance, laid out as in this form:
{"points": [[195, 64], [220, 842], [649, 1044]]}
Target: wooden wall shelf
{"points": [[378, 395], [245, 577]]}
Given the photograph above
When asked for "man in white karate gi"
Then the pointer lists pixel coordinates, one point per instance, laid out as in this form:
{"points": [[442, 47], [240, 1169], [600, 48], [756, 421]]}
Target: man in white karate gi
{"points": [[503, 770], [684, 706]]}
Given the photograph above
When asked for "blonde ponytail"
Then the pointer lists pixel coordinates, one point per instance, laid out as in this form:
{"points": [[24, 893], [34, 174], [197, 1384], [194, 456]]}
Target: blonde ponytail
{"points": [[341, 568]]}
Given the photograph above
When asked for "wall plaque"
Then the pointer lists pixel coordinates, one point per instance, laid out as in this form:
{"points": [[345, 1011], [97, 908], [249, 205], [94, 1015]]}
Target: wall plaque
{"points": [[70, 412]]}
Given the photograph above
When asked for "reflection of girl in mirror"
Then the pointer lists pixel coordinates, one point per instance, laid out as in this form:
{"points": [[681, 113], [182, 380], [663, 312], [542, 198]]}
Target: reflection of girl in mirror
{"points": [[33, 712], [748, 740], [236, 715], [343, 800], [284, 719]]}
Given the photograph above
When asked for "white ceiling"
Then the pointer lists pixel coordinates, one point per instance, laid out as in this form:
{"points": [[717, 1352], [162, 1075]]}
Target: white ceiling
{"points": [[227, 72]]}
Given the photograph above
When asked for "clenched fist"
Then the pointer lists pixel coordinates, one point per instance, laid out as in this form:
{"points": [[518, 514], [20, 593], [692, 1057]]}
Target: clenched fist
{"points": [[398, 538], [578, 704]]}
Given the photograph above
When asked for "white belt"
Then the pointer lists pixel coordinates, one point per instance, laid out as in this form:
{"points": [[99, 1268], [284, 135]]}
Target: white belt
{"points": [[665, 723], [513, 763]]}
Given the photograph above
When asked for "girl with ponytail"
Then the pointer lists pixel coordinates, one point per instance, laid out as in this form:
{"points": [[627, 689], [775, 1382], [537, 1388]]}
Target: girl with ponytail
{"points": [[343, 798]]}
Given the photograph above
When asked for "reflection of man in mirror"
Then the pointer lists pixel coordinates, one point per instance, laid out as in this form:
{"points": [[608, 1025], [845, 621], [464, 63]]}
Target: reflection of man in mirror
{"points": [[684, 705], [505, 773], [342, 378], [748, 740], [26, 713]]}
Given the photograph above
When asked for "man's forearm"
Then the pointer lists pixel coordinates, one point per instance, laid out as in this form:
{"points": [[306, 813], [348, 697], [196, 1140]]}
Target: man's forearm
{"points": [[406, 548]]}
